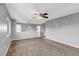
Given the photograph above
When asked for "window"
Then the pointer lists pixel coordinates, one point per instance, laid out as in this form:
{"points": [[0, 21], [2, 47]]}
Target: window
{"points": [[8, 27], [18, 27], [38, 28]]}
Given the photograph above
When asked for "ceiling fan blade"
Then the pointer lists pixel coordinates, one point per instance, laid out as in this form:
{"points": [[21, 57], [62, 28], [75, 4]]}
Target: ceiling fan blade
{"points": [[45, 14]]}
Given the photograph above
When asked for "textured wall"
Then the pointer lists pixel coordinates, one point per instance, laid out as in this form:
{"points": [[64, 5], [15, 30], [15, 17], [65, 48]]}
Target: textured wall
{"points": [[64, 30]]}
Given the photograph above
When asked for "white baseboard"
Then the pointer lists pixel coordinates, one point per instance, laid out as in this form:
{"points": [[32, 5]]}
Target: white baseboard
{"points": [[76, 46], [7, 49]]}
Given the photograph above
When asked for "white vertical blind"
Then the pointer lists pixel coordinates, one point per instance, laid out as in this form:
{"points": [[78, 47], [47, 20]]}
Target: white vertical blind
{"points": [[38, 28], [18, 27]]}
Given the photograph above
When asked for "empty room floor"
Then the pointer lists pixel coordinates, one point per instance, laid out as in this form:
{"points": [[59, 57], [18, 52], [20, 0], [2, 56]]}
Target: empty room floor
{"points": [[40, 47]]}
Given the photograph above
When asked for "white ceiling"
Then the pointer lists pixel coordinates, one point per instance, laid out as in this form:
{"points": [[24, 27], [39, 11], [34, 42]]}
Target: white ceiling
{"points": [[24, 12]]}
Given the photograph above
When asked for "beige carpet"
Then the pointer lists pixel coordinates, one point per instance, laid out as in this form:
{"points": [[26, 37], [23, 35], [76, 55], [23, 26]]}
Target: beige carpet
{"points": [[40, 47]]}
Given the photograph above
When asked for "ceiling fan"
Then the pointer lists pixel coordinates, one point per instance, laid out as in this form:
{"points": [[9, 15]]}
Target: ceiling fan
{"points": [[40, 15]]}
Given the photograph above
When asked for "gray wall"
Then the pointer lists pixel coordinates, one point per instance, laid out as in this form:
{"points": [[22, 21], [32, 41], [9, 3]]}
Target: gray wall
{"points": [[4, 40], [64, 30]]}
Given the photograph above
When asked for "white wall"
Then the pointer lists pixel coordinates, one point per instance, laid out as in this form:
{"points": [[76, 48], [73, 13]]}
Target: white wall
{"points": [[64, 30], [4, 40]]}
